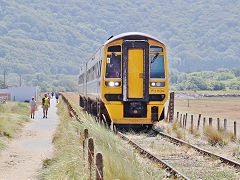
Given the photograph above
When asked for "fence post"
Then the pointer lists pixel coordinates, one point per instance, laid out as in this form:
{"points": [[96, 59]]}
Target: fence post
{"points": [[204, 121], [186, 120], [90, 155], [171, 107], [225, 127], [199, 118], [210, 121], [191, 120], [167, 114], [181, 120], [99, 167], [235, 129], [84, 138], [218, 124], [177, 115]]}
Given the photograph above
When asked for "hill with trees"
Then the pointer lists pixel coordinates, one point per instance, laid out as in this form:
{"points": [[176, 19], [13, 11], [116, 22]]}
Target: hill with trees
{"points": [[41, 38]]}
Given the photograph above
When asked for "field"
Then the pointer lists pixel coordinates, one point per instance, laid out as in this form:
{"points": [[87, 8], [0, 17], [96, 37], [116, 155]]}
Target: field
{"points": [[217, 107], [221, 107]]}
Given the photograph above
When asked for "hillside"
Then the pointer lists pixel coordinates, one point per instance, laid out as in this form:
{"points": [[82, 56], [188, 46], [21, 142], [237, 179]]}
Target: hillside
{"points": [[54, 37]]}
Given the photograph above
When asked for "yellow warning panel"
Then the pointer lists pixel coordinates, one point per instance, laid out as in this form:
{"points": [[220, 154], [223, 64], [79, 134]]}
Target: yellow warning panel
{"points": [[135, 73]]}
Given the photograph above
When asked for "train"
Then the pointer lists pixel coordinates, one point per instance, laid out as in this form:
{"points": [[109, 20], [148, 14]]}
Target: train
{"points": [[125, 83]]}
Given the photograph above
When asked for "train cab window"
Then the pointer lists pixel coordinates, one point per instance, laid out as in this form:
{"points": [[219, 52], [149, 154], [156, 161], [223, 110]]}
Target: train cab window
{"points": [[157, 66], [156, 49], [114, 48], [113, 66]]}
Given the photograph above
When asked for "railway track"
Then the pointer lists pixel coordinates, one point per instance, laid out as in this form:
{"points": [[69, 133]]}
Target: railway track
{"points": [[167, 166], [201, 150], [192, 161]]}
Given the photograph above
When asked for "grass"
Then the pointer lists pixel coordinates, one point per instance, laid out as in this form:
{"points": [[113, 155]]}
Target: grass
{"points": [[12, 117], [214, 136], [119, 158]]}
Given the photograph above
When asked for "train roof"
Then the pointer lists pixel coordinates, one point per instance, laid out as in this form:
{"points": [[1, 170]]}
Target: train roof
{"points": [[133, 36]]}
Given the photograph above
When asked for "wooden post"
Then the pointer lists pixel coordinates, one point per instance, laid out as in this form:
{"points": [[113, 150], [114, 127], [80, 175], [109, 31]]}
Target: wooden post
{"points": [[85, 133], [171, 107], [90, 156], [218, 124], [191, 120], [177, 115], [204, 121], [210, 121], [235, 129], [225, 127], [199, 118], [99, 167], [167, 115], [186, 120], [84, 138], [181, 120]]}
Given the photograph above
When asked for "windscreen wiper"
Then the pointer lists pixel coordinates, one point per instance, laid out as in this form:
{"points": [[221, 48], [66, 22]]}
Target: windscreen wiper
{"points": [[154, 58]]}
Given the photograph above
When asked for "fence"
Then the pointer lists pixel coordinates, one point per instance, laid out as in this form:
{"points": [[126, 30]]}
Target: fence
{"points": [[90, 154], [88, 144], [220, 124], [198, 120]]}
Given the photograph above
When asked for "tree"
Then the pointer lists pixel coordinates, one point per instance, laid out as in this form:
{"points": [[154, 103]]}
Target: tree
{"points": [[218, 85]]}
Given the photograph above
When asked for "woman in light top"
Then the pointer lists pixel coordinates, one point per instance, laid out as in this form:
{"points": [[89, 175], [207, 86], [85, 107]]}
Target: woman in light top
{"points": [[33, 107]]}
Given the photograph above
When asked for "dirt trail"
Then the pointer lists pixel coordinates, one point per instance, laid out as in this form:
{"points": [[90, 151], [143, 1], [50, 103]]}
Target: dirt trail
{"points": [[23, 157]]}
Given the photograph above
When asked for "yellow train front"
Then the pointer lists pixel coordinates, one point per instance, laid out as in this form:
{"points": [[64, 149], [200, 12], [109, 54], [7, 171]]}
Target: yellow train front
{"points": [[126, 80]]}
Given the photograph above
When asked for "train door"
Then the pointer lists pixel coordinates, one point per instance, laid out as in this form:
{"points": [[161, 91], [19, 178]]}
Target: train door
{"points": [[135, 70], [135, 73]]}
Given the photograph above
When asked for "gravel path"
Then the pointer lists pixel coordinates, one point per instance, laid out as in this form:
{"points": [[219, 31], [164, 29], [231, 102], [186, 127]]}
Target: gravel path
{"points": [[24, 155]]}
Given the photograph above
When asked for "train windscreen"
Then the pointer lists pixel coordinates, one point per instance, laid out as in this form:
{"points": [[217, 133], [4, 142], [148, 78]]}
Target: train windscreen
{"points": [[113, 66], [157, 66]]}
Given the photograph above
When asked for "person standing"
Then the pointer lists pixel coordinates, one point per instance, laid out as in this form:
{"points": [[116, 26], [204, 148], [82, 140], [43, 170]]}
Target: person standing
{"points": [[56, 96], [45, 105], [33, 107]]}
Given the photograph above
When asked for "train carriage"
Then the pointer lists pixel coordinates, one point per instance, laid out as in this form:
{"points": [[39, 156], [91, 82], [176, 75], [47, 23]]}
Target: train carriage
{"points": [[126, 81]]}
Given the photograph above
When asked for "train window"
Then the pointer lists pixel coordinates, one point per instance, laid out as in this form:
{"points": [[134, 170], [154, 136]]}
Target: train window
{"points": [[156, 49], [157, 66], [113, 66], [114, 48]]}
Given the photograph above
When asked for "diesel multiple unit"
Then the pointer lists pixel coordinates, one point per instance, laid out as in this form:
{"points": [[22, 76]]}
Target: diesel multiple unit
{"points": [[126, 80]]}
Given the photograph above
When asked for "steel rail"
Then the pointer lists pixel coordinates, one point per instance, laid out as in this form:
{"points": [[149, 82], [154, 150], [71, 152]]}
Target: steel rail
{"points": [[201, 150], [168, 167]]}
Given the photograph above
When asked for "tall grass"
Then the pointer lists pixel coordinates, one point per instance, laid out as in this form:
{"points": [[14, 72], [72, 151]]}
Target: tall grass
{"points": [[12, 117], [119, 158]]}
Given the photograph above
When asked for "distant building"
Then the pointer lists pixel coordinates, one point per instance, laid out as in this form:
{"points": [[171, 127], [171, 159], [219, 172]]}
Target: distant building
{"points": [[20, 94]]}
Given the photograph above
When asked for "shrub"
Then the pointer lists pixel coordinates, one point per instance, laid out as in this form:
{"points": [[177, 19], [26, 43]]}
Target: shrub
{"points": [[214, 136]]}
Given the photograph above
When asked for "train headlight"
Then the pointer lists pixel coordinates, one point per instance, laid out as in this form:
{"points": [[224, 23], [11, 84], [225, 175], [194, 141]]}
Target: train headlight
{"points": [[157, 84], [112, 84], [116, 83], [153, 84]]}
